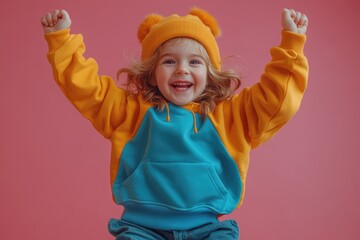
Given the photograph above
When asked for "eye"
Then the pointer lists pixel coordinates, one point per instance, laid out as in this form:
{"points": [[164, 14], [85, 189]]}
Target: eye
{"points": [[196, 61], [168, 61]]}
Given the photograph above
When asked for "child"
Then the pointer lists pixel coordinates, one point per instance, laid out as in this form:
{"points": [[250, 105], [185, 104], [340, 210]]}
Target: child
{"points": [[180, 136]]}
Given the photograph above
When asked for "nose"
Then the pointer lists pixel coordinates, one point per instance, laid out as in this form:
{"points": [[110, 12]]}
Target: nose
{"points": [[182, 69]]}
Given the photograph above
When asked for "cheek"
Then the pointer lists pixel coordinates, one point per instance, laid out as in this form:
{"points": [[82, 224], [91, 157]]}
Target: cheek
{"points": [[161, 77], [203, 86], [203, 81], [157, 76]]}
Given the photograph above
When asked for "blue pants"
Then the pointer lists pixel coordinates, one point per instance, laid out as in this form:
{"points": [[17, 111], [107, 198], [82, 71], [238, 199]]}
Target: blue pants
{"points": [[226, 230]]}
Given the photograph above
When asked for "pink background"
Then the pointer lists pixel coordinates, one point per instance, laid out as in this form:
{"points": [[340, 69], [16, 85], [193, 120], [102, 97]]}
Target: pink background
{"points": [[54, 167]]}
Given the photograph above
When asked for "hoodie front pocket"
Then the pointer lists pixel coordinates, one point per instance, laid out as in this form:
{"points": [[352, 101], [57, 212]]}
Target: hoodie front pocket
{"points": [[181, 186]]}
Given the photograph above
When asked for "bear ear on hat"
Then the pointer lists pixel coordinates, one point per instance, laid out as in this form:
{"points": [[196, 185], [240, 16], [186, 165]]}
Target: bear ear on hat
{"points": [[146, 25], [207, 19]]}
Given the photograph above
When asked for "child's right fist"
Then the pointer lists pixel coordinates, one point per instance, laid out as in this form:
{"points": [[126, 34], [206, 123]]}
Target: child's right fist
{"points": [[58, 20]]}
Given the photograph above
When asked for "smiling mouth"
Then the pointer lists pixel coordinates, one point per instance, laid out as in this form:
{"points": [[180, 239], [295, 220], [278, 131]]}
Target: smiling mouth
{"points": [[182, 86]]}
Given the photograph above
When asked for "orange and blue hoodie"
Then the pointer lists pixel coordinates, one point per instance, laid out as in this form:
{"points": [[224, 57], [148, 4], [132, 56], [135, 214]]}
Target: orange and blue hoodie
{"points": [[177, 169]]}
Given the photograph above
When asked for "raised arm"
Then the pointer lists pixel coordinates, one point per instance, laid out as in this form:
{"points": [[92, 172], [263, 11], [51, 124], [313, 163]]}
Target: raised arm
{"points": [[95, 96], [271, 103]]}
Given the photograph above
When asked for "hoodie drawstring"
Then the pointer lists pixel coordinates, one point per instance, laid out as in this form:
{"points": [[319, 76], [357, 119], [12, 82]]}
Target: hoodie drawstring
{"points": [[167, 112], [194, 119], [192, 112]]}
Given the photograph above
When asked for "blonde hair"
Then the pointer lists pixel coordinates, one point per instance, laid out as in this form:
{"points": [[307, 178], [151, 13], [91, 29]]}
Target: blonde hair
{"points": [[220, 86]]}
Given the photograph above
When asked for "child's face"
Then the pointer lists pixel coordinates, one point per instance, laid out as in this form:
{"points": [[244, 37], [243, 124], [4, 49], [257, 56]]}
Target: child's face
{"points": [[181, 73]]}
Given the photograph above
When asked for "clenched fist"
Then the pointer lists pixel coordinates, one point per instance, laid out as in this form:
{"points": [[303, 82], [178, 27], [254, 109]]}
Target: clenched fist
{"points": [[58, 20], [294, 21]]}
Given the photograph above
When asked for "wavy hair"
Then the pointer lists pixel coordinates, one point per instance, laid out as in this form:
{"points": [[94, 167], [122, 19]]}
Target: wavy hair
{"points": [[220, 86]]}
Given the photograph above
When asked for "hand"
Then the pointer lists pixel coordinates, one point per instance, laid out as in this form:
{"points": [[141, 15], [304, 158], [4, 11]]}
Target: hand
{"points": [[58, 20], [294, 21]]}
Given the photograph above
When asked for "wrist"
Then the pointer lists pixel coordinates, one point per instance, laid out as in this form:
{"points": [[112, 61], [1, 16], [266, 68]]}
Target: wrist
{"points": [[293, 41], [56, 39]]}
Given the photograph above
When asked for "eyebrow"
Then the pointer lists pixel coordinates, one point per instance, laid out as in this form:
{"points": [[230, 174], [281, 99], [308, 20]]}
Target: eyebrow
{"points": [[171, 55]]}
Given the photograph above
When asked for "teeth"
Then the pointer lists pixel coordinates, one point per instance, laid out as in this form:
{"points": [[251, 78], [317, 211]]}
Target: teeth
{"points": [[181, 84]]}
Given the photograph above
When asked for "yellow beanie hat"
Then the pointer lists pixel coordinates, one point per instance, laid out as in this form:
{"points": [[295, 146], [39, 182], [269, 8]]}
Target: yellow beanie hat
{"points": [[198, 25]]}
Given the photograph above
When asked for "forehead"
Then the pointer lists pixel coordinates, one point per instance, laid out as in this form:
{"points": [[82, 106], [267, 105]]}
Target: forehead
{"points": [[188, 43]]}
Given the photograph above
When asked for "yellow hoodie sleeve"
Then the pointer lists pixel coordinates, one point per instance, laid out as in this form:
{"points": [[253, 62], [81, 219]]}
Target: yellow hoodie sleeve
{"points": [[269, 104], [258, 112], [96, 97]]}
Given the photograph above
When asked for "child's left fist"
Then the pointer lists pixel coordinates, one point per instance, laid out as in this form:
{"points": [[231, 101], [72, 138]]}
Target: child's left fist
{"points": [[294, 21]]}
